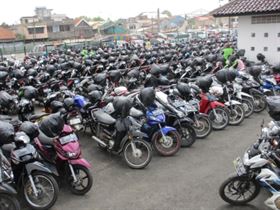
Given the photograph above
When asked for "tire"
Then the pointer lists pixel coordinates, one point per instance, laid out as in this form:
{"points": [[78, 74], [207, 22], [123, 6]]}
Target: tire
{"points": [[204, 128], [242, 180], [248, 107], [236, 114], [223, 118], [73, 187], [259, 103], [127, 152], [27, 188], [169, 148], [187, 133], [9, 202]]}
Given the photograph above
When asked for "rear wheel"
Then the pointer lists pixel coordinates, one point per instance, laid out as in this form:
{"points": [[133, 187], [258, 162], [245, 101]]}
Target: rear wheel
{"points": [[167, 145], [8, 202]]}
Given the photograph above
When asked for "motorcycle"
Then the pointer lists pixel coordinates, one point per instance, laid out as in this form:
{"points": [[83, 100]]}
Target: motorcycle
{"points": [[64, 151], [120, 135], [8, 199]]}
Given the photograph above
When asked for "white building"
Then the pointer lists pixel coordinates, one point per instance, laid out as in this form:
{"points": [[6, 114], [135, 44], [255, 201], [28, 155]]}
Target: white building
{"points": [[258, 28]]}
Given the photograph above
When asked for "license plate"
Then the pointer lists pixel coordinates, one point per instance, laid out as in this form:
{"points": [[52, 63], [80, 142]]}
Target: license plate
{"points": [[178, 104], [75, 121], [69, 138], [239, 166]]}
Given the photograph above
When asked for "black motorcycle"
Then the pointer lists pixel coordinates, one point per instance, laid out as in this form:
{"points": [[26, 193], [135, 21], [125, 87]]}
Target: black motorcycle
{"points": [[8, 199]]}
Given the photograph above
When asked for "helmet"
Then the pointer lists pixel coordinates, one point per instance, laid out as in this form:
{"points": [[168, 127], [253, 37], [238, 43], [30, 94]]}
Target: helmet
{"points": [[216, 91], [95, 96], [183, 89], [56, 106], [69, 104], [147, 96], [31, 129], [7, 133], [260, 57]]}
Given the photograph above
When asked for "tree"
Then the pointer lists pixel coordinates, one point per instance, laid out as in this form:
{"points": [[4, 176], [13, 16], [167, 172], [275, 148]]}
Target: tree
{"points": [[4, 25], [166, 12]]}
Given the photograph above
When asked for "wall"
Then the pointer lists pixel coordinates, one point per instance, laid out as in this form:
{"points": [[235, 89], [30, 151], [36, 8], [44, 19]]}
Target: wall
{"points": [[29, 36], [246, 41]]}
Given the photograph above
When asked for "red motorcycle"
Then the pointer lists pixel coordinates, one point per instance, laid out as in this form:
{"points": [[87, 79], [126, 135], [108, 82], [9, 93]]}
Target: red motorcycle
{"points": [[216, 111], [64, 151]]}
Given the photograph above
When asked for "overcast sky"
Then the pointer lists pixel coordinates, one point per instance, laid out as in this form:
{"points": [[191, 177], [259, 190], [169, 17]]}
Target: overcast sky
{"points": [[12, 10]]}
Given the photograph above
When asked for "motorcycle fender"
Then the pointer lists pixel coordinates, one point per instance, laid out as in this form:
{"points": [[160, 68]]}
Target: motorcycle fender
{"points": [[44, 167], [5, 188], [184, 120], [139, 134], [246, 95], [255, 91], [215, 104], [203, 114], [80, 161], [233, 102], [166, 129]]}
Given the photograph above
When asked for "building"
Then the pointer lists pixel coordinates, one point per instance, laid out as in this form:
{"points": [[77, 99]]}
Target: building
{"points": [[6, 35], [82, 29], [258, 27]]}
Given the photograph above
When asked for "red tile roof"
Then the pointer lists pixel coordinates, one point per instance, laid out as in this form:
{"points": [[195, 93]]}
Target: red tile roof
{"points": [[6, 34], [247, 7]]}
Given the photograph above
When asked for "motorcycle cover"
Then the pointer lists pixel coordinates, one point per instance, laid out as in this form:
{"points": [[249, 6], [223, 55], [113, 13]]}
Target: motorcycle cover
{"points": [[30, 92], [273, 103], [52, 125], [5, 99], [147, 96], [7, 133], [122, 105]]}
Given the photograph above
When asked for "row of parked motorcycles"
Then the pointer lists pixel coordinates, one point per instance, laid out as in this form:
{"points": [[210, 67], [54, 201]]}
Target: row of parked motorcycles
{"points": [[133, 102]]}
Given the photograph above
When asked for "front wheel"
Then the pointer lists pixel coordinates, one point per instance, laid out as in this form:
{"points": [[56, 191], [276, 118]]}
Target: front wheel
{"points": [[202, 126], [84, 180], [219, 118], [137, 154], [168, 144], [47, 191], [8, 202], [187, 133], [248, 107], [236, 114], [259, 103], [239, 190]]}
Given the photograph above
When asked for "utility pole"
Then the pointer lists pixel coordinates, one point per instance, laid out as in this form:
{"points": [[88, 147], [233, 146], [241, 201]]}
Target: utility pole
{"points": [[158, 20]]}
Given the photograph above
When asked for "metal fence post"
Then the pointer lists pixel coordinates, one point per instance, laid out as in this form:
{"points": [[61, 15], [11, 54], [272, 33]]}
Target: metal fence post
{"points": [[1, 53]]}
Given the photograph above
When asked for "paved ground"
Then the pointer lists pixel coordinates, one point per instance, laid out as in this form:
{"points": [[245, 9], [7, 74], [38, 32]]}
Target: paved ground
{"points": [[190, 180]]}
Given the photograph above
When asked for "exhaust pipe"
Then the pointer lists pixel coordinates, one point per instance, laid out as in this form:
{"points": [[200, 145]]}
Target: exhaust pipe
{"points": [[99, 141]]}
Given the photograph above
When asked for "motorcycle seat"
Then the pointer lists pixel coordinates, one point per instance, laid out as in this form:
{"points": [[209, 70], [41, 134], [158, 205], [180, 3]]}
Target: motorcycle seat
{"points": [[45, 140], [135, 113], [5, 117], [37, 116], [104, 118], [7, 148]]}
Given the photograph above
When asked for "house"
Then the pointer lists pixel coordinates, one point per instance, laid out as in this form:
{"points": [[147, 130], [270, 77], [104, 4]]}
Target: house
{"points": [[60, 29], [83, 29], [258, 27], [110, 28], [6, 35], [33, 28]]}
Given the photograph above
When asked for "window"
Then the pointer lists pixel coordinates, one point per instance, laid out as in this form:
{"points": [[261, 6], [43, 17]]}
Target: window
{"points": [[278, 49], [253, 34], [64, 28], [265, 19], [265, 34], [265, 49], [50, 29], [278, 34], [38, 30], [252, 48]]}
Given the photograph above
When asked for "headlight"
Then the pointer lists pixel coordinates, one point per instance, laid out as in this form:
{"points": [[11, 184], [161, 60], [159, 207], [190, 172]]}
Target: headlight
{"points": [[72, 154], [246, 159]]}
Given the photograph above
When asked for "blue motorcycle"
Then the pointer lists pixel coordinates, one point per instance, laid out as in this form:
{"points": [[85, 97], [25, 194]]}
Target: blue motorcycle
{"points": [[165, 140]]}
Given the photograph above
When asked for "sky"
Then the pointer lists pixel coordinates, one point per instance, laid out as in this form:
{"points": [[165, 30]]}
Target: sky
{"points": [[12, 10]]}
